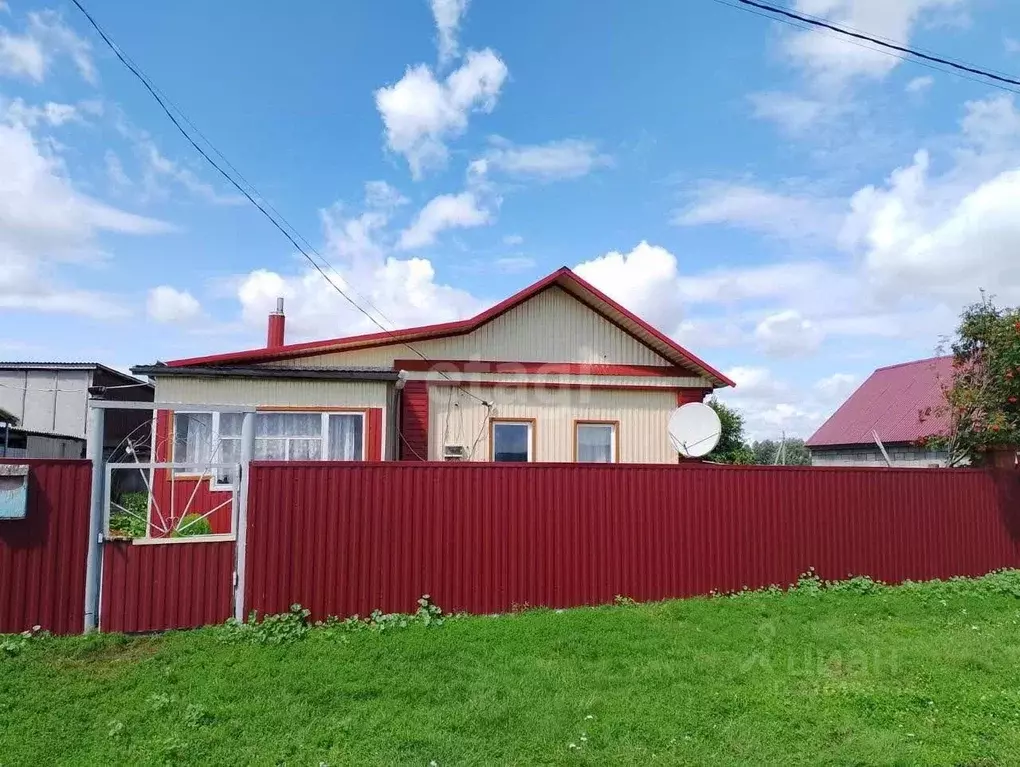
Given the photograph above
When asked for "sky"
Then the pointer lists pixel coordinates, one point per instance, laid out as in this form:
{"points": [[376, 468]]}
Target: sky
{"points": [[795, 209]]}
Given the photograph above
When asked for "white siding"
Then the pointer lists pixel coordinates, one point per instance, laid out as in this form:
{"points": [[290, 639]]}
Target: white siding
{"points": [[52, 401], [551, 327], [457, 419], [271, 391]]}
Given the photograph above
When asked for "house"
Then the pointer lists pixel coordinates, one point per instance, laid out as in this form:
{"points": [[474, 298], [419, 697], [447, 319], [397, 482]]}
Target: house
{"points": [[556, 372], [888, 404], [50, 402]]}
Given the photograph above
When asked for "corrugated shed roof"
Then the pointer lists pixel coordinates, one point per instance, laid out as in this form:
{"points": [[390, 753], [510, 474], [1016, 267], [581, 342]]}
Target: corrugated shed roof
{"points": [[888, 403], [22, 365]]}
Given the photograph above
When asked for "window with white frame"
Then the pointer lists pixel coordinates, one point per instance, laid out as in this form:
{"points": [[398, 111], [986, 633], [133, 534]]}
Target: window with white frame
{"points": [[595, 442], [512, 441], [205, 438]]}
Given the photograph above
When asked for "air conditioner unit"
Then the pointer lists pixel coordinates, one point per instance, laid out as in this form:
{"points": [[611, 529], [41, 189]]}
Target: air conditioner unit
{"points": [[454, 453]]}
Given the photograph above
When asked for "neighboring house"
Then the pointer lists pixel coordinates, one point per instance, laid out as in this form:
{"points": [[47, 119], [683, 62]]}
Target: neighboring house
{"points": [[888, 404], [16, 442], [50, 402], [557, 372]]}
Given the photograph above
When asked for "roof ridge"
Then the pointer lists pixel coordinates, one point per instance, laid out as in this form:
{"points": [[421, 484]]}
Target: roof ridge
{"points": [[913, 362]]}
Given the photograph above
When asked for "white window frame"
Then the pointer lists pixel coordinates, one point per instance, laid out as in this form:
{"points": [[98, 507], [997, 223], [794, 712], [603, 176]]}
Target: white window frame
{"points": [[495, 423], [613, 427], [324, 428], [214, 438]]}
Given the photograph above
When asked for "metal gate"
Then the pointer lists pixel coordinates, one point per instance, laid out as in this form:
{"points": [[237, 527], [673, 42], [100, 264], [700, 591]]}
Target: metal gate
{"points": [[167, 524]]}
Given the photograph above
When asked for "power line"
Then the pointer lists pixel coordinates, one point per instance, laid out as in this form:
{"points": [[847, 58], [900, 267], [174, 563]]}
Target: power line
{"points": [[253, 193], [776, 11]]}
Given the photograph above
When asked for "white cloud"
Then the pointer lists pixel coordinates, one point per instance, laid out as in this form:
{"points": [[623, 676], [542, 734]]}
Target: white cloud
{"points": [[447, 211], [420, 112], [838, 386], [568, 158], [794, 113], [46, 38], [788, 334], [645, 280], [167, 304], [513, 240], [514, 264], [45, 221], [832, 59], [50, 113], [448, 15], [787, 215], [380, 195], [1012, 45], [920, 84], [772, 407], [947, 235], [157, 167], [115, 170]]}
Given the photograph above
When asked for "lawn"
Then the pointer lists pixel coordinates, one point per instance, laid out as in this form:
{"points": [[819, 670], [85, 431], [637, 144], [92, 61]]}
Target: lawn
{"points": [[921, 674]]}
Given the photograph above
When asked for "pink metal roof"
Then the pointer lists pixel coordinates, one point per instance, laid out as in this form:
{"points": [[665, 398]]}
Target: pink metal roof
{"points": [[888, 403]]}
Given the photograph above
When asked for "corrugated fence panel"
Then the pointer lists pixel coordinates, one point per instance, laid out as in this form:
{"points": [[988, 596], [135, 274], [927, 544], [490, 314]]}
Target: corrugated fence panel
{"points": [[42, 557], [155, 587], [343, 538]]}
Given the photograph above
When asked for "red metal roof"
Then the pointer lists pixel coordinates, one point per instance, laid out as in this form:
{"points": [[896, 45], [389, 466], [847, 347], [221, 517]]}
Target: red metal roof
{"points": [[888, 403], [583, 291]]}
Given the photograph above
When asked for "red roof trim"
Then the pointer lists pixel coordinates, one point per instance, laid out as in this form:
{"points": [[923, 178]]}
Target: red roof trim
{"points": [[504, 367], [446, 329]]}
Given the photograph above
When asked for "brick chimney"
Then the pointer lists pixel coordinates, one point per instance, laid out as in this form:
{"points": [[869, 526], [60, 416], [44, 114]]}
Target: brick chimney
{"points": [[277, 321]]}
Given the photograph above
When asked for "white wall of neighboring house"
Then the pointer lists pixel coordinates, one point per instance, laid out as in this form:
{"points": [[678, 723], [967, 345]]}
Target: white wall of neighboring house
{"points": [[53, 401], [904, 456]]}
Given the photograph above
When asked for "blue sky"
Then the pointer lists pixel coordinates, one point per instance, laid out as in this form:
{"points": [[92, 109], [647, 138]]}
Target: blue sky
{"points": [[795, 209]]}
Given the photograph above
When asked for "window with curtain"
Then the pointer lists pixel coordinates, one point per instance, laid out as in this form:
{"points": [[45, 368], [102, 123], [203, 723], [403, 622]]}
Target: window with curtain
{"points": [[193, 437], [511, 441], [596, 442], [204, 438], [345, 440]]}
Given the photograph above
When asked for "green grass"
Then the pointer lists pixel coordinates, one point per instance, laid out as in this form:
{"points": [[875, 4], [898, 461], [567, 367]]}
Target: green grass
{"points": [[923, 674]]}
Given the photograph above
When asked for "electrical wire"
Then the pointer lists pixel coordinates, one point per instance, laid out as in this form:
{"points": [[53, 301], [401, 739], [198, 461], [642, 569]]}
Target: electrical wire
{"points": [[918, 56], [290, 232]]}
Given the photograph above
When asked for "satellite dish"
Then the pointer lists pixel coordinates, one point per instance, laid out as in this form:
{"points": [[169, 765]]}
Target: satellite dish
{"points": [[694, 430]]}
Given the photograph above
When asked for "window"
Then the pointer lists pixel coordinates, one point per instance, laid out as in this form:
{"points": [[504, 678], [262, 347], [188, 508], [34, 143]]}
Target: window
{"points": [[512, 441], [595, 442], [204, 438], [345, 436]]}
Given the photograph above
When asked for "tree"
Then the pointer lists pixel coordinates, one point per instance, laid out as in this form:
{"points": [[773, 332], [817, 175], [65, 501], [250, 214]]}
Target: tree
{"points": [[6, 417], [981, 401], [795, 453], [731, 448]]}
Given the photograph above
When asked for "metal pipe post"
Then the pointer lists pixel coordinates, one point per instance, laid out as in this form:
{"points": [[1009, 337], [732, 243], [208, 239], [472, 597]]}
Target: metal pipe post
{"points": [[94, 560], [241, 524]]}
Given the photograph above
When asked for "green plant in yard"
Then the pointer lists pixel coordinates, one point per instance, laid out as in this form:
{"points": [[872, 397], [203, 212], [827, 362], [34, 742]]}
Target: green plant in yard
{"points": [[849, 673], [294, 625], [192, 524], [130, 523]]}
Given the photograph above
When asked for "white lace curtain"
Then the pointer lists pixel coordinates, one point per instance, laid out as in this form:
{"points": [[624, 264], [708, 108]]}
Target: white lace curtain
{"points": [[595, 443], [345, 437]]}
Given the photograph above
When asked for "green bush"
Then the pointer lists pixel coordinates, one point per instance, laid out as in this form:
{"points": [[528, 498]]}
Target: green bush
{"points": [[130, 525], [192, 524]]}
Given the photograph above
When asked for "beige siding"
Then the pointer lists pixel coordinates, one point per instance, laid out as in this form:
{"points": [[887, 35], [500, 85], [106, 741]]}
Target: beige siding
{"points": [[538, 379], [551, 327], [457, 419], [271, 391]]}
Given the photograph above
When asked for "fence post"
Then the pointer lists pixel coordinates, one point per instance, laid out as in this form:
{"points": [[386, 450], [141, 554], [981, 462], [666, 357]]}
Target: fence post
{"points": [[241, 526], [94, 558]]}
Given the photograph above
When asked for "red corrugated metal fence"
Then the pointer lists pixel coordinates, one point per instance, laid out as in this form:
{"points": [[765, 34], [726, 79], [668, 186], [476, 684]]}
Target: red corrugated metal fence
{"points": [[42, 557], [159, 586], [349, 538]]}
